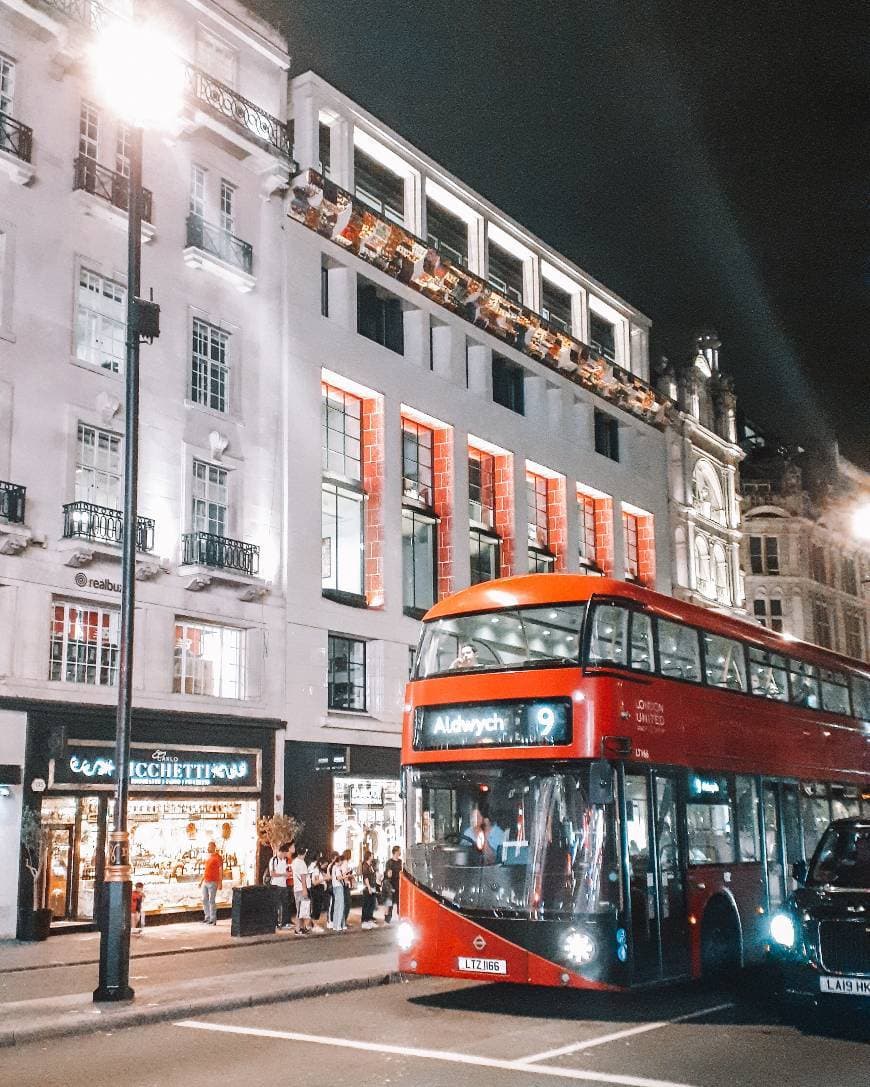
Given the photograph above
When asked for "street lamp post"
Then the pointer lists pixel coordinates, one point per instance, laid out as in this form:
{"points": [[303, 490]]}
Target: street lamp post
{"points": [[143, 81]]}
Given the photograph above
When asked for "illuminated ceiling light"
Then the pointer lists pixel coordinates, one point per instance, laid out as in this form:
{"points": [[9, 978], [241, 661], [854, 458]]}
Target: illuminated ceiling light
{"points": [[138, 74]]}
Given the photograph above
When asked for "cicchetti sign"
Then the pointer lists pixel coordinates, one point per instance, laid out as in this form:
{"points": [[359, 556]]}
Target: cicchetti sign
{"points": [[89, 765]]}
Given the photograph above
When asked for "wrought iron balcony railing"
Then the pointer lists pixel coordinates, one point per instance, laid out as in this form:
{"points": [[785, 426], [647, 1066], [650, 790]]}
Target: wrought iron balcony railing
{"points": [[15, 138], [220, 243], [90, 13], [85, 521], [108, 185], [12, 503], [206, 549], [333, 213], [229, 105]]}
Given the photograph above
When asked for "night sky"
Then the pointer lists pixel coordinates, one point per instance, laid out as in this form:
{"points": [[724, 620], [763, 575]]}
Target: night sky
{"points": [[707, 161]]}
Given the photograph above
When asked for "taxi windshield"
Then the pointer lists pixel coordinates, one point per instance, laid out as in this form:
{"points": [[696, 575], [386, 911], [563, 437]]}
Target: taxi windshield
{"points": [[488, 641], [843, 858]]}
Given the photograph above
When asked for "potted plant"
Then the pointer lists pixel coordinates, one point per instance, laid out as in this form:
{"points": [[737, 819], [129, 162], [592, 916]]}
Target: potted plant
{"points": [[278, 829], [34, 846]]}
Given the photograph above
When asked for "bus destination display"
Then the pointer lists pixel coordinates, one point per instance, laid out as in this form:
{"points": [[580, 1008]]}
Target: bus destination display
{"points": [[494, 724]]}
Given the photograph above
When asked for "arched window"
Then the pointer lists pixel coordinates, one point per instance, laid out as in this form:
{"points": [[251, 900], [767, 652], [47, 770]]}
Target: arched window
{"points": [[707, 495], [703, 570], [720, 573]]}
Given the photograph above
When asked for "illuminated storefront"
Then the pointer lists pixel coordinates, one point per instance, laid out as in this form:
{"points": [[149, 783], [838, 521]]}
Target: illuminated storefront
{"points": [[367, 814]]}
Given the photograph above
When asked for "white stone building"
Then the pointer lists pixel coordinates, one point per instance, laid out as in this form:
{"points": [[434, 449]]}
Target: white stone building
{"points": [[340, 422]]}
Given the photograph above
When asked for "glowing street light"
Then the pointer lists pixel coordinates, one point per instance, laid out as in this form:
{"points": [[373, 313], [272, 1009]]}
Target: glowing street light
{"points": [[141, 81], [861, 521]]}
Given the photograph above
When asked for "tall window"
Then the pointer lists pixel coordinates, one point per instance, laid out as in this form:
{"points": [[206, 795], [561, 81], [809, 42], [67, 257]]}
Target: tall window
{"points": [[209, 366], [101, 321], [209, 660], [555, 306], [342, 533], [85, 642], [508, 384], [768, 612], [721, 574], [197, 190], [98, 467], [854, 628], [380, 317], [122, 151], [481, 487], [419, 567], [602, 337], [417, 462], [707, 496], [210, 498], [822, 623], [764, 554], [506, 273], [89, 131], [347, 673], [606, 435], [324, 138], [378, 187], [485, 556], [849, 576], [446, 232], [7, 84], [818, 564], [541, 559], [704, 576], [586, 518], [630, 533], [227, 206]]}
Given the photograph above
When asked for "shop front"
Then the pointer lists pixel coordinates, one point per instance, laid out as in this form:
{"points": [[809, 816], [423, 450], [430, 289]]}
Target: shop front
{"points": [[182, 796]]}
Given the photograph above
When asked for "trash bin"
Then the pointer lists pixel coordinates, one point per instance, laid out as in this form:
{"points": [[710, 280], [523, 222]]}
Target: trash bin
{"points": [[253, 911]]}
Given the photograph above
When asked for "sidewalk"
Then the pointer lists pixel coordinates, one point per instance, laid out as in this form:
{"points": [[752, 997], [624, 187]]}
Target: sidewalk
{"points": [[46, 988]]}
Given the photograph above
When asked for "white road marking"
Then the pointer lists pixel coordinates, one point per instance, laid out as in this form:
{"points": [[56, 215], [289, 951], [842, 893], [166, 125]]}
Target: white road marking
{"points": [[604, 1038], [434, 1055]]}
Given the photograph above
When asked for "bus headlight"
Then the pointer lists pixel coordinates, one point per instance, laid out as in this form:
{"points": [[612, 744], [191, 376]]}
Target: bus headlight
{"points": [[580, 947], [782, 929], [406, 935]]}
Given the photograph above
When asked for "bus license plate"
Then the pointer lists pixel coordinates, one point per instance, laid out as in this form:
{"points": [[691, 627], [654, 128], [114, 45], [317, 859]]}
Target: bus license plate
{"points": [[846, 986], [483, 966]]}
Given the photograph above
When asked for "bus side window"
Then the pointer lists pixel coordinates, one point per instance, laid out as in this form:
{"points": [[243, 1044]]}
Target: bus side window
{"points": [[641, 642], [804, 684], [609, 641], [747, 819], [679, 655], [767, 674], [726, 662], [835, 693], [861, 697]]}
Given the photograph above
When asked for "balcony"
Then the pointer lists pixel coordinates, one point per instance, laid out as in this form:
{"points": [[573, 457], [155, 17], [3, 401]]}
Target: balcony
{"points": [[333, 213], [16, 150], [243, 116], [220, 553], [99, 524], [12, 503], [112, 192], [218, 251]]}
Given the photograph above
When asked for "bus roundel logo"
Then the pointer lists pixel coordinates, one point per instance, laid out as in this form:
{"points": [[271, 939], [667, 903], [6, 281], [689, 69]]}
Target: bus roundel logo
{"points": [[479, 943]]}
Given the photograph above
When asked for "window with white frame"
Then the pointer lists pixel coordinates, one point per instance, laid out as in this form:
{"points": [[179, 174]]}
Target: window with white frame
{"points": [[197, 190], [768, 612], [630, 538], [210, 498], [209, 660], [85, 644], [342, 498], [101, 321], [602, 336], [227, 206], [122, 151], [341, 442], [7, 84], [99, 472], [417, 442], [586, 519], [209, 380], [217, 57], [89, 130]]}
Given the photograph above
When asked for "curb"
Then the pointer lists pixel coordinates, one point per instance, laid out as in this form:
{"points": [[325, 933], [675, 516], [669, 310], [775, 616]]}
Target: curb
{"points": [[132, 1016]]}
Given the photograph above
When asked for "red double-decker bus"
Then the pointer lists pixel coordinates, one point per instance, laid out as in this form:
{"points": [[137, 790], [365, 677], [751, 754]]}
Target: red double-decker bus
{"points": [[607, 787]]}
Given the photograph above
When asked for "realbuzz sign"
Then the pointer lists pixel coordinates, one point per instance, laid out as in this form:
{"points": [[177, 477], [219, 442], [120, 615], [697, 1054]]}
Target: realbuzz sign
{"points": [[495, 724]]}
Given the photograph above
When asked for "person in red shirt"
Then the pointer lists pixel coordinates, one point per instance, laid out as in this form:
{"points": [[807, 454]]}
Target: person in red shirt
{"points": [[211, 883], [137, 908]]}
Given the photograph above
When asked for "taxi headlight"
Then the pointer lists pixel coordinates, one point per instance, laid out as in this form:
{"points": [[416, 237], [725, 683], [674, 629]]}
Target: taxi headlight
{"points": [[406, 935], [580, 947], [782, 929]]}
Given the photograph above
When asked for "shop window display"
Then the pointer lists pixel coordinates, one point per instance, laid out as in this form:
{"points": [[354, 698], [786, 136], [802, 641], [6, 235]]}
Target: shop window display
{"points": [[367, 814]]}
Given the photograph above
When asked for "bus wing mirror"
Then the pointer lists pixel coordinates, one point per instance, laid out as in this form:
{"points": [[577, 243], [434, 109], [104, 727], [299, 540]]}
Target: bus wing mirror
{"points": [[799, 871], [600, 782]]}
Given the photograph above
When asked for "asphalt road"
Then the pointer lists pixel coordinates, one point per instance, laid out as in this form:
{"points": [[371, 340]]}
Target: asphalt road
{"points": [[431, 1033]]}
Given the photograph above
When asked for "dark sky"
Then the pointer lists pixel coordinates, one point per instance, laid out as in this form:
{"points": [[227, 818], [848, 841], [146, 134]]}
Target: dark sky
{"points": [[706, 160]]}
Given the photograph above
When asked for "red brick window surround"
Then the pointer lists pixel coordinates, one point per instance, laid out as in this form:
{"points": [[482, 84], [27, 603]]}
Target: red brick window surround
{"points": [[638, 532], [541, 556], [427, 501], [586, 523], [504, 512]]}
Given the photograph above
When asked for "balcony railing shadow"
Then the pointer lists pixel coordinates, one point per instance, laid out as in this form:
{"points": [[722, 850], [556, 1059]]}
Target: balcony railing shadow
{"points": [[85, 521]]}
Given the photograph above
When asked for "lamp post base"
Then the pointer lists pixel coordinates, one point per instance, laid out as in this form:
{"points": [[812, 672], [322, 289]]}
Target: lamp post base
{"points": [[114, 983]]}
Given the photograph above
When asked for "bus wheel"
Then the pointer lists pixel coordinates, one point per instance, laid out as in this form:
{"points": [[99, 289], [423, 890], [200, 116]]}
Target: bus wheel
{"points": [[720, 942]]}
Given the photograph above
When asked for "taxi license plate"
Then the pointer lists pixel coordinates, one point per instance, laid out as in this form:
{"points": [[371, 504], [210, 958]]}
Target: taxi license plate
{"points": [[483, 966], [846, 986]]}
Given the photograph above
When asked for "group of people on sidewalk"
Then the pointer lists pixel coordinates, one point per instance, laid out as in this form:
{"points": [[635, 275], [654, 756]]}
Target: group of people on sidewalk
{"points": [[322, 887]]}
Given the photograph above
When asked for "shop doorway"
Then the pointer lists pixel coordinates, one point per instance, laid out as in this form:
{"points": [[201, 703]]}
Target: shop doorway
{"points": [[59, 872]]}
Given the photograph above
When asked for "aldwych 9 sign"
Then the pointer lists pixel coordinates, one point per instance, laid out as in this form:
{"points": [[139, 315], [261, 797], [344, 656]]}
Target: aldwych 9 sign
{"points": [[493, 724], [92, 765]]}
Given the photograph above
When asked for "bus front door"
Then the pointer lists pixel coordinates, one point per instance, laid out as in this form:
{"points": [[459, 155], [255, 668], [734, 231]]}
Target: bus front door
{"points": [[673, 920], [641, 878]]}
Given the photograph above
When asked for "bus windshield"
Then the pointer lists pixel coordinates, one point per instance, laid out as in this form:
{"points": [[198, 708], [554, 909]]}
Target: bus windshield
{"points": [[514, 638], [511, 841]]}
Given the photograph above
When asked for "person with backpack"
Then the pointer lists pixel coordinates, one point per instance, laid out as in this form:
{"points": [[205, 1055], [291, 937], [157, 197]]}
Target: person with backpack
{"points": [[370, 890]]}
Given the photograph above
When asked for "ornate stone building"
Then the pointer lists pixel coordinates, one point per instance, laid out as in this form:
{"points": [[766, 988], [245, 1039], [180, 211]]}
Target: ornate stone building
{"points": [[703, 460]]}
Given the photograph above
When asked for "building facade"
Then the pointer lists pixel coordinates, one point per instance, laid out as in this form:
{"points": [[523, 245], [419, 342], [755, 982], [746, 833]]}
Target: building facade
{"points": [[371, 388], [703, 478], [806, 571]]}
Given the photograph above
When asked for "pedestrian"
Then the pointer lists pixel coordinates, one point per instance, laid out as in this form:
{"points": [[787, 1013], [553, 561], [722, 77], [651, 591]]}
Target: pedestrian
{"points": [[211, 882], [330, 892], [348, 881], [301, 892], [338, 895], [370, 891], [392, 872], [279, 872], [137, 909], [317, 889]]}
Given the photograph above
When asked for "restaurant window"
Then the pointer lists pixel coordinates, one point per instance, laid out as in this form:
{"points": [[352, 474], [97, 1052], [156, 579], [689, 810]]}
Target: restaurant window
{"points": [[210, 498], [380, 317], [484, 554], [417, 443], [209, 660], [835, 691], [764, 554], [541, 558], [506, 273], [630, 534], [768, 674], [419, 561], [853, 623], [481, 488], [379, 188], [768, 612], [803, 684], [85, 643], [101, 321], [555, 306], [446, 232], [209, 382], [679, 651], [508, 384], [602, 337], [822, 623], [586, 519], [99, 472], [606, 435], [725, 662], [347, 674]]}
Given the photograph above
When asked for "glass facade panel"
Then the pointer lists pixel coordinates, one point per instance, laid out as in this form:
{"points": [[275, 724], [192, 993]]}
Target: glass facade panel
{"points": [[101, 322], [342, 539], [418, 561], [347, 674], [209, 660], [85, 643]]}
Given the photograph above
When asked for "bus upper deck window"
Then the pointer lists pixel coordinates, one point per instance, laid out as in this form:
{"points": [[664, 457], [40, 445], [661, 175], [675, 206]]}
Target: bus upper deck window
{"points": [[608, 643], [642, 656], [679, 654], [725, 662]]}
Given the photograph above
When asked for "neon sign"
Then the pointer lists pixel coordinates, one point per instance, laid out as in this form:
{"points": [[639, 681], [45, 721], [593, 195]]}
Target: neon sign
{"points": [[158, 767], [498, 724]]}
